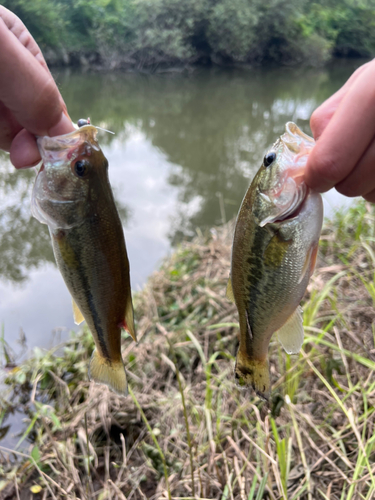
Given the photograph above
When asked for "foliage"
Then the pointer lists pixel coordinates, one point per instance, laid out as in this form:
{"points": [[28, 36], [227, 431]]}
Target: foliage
{"points": [[43, 19], [232, 28], [186, 430], [152, 32], [348, 25]]}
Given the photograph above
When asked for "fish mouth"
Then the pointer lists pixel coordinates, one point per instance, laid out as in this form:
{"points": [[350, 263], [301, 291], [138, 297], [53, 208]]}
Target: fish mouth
{"points": [[285, 209], [67, 141], [57, 151], [294, 210]]}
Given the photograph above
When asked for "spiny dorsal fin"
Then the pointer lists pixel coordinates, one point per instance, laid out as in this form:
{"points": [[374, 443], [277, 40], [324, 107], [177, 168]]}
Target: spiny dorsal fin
{"points": [[230, 295], [78, 316], [291, 333]]}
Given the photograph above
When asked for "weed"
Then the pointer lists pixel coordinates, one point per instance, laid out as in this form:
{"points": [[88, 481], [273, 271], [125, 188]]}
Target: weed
{"points": [[187, 431]]}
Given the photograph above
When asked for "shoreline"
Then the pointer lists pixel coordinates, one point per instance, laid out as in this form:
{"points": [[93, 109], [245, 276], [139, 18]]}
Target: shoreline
{"points": [[60, 60]]}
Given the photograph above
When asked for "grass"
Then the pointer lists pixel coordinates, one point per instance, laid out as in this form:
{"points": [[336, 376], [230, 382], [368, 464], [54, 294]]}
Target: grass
{"points": [[186, 431]]}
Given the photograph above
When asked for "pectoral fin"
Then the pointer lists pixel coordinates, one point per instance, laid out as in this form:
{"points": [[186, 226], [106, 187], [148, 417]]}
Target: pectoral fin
{"points": [[230, 295], [78, 316], [291, 333], [128, 322], [314, 254], [310, 262]]}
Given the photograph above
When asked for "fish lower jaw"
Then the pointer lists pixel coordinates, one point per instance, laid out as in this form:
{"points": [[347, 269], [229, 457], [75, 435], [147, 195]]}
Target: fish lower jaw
{"points": [[294, 210]]}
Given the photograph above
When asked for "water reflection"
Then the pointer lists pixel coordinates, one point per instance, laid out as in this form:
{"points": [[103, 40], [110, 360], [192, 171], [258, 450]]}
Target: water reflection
{"points": [[24, 242], [185, 149], [212, 126]]}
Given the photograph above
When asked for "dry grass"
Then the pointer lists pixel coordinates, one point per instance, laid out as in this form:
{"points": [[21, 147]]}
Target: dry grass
{"points": [[185, 430]]}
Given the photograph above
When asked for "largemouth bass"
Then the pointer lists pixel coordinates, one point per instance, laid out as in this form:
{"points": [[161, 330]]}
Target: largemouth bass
{"points": [[273, 256], [72, 195]]}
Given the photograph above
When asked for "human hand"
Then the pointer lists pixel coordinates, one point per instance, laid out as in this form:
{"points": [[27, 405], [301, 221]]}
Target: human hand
{"points": [[344, 127], [30, 102]]}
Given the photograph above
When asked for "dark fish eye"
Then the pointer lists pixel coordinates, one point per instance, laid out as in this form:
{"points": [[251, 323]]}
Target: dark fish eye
{"points": [[269, 158], [80, 168], [82, 122]]}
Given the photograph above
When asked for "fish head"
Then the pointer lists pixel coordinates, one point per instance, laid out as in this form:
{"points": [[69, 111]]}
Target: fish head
{"points": [[279, 187], [65, 191]]}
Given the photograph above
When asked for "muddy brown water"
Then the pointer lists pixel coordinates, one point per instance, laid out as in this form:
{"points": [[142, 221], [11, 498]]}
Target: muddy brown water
{"points": [[184, 151]]}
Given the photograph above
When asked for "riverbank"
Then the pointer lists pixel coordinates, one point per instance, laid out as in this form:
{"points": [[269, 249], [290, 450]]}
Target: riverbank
{"points": [[154, 35], [185, 427]]}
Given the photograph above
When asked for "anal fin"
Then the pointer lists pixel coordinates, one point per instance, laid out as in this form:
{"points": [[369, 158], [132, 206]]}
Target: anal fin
{"points": [[78, 316], [310, 262], [128, 321], [291, 333]]}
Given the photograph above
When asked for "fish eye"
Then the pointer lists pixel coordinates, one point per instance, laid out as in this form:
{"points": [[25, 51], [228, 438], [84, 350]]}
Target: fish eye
{"points": [[269, 158], [81, 168]]}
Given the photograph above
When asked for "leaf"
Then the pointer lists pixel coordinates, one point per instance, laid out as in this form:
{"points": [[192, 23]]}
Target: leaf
{"points": [[20, 377], [35, 454], [36, 488], [55, 420]]}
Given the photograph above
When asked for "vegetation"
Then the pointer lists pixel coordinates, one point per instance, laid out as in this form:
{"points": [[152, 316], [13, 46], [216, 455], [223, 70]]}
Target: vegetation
{"points": [[185, 430], [154, 33]]}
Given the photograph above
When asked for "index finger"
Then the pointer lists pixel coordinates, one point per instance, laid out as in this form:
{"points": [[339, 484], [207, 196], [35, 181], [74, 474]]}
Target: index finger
{"points": [[323, 114], [346, 137], [27, 88]]}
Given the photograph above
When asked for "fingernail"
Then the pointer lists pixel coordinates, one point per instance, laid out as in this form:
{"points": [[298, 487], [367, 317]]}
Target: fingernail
{"points": [[64, 126]]}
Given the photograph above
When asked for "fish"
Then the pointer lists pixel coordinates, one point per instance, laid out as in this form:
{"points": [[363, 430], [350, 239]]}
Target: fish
{"points": [[274, 252], [73, 196]]}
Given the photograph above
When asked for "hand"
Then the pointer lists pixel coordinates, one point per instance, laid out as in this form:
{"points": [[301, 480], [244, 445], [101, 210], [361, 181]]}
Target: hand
{"points": [[30, 102], [344, 127]]}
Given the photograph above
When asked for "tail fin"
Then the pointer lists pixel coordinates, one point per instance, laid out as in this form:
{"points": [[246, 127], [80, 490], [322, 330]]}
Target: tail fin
{"points": [[254, 373], [106, 372]]}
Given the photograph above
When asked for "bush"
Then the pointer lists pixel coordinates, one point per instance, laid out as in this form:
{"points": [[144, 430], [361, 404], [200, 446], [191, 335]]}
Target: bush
{"points": [[153, 32], [232, 31]]}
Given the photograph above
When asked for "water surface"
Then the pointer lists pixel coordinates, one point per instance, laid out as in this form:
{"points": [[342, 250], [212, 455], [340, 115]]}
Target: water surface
{"points": [[184, 151]]}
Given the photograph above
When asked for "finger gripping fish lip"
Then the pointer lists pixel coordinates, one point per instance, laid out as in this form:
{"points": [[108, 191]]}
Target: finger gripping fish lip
{"points": [[62, 148]]}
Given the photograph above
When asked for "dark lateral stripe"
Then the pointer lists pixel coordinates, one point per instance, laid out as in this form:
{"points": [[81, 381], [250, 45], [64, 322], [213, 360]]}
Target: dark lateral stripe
{"points": [[256, 268], [82, 278]]}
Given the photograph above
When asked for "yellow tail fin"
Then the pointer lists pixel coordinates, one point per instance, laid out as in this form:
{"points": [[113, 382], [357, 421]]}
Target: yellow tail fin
{"points": [[254, 373], [106, 372]]}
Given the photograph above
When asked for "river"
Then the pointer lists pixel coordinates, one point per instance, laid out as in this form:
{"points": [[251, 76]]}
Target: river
{"points": [[185, 148]]}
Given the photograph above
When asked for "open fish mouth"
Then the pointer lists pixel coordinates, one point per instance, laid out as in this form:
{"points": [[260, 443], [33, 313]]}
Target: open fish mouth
{"points": [[285, 209], [296, 206]]}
